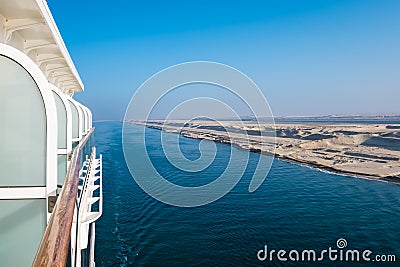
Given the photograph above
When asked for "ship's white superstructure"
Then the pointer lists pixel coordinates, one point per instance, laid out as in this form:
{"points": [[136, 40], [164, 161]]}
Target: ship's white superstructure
{"points": [[46, 145]]}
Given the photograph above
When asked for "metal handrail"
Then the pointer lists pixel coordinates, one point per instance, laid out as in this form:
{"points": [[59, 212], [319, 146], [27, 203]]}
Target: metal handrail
{"points": [[53, 248]]}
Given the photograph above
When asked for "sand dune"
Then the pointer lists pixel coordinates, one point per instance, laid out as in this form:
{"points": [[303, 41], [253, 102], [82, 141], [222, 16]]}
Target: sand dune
{"points": [[371, 150]]}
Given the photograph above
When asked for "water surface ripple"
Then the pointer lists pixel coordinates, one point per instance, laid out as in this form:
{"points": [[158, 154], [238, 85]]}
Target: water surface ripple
{"points": [[296, 208]]}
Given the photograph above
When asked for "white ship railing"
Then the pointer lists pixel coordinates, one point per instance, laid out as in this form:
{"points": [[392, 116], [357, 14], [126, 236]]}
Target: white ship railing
{"points": [[73, 213], [84, 222]]}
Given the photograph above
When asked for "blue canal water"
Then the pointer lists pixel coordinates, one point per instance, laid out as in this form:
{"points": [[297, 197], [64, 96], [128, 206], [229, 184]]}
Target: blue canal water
{"points": [[295, 208]]}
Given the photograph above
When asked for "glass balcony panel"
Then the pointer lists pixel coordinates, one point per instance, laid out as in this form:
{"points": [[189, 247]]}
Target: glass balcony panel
{"points": [[22, 128]]}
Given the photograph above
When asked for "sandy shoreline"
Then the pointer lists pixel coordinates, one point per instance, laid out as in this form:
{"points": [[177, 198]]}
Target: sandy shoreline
{"points": [[366, 150]]}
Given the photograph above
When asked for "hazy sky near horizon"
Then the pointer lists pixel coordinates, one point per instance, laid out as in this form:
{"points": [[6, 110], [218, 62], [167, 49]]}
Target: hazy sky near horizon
{"points": [[308, 57]]}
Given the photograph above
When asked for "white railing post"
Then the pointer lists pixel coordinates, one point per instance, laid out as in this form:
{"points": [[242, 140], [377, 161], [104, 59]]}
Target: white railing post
{"points": [[91, 172]]}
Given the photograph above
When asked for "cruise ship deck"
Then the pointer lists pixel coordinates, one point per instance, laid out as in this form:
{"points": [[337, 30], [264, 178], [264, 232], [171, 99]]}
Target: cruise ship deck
{"points": [[50, 179]]}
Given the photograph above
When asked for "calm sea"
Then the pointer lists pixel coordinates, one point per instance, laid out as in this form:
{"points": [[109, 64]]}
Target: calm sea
{"points": [[296, 208]]}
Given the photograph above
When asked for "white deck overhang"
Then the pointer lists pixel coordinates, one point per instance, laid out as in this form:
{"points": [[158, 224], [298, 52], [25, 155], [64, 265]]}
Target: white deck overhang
{"points": [[29, 26]]}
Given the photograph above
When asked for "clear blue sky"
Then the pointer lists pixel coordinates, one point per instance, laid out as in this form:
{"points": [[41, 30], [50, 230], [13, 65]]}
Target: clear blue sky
{"points": [[309, 57]]}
